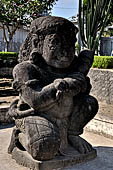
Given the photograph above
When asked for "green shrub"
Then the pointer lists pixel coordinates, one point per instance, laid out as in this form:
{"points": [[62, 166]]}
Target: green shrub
{"points": [[8, 55], [103, 62]]}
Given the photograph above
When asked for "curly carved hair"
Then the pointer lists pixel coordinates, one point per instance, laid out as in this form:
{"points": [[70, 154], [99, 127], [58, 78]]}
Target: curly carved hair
{"points": [[41, 27]]}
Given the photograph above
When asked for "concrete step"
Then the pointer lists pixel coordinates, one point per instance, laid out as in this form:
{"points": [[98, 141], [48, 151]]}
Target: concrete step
{"points": [[4, 119], [6, 80], [4, 83], [6, 100], [8, 91], [103, 122], [4, 107], [6, 87]]}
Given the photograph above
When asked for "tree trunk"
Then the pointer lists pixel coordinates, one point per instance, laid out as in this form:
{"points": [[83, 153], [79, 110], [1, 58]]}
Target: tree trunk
{"points": [[7, 46], [10, 34]]}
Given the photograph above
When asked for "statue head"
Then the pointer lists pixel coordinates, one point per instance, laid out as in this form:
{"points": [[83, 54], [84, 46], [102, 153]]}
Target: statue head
{"points": [[53, 39]]}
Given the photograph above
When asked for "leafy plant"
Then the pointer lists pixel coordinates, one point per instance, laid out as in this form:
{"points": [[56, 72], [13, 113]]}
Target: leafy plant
{"points": [[77, 48], [8, 55], [14, 13], [103, 62], [93, 19]]}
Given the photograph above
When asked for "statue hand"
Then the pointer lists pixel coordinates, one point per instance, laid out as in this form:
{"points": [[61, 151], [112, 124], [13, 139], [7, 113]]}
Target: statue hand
{"points": [[80, 144], [77, 81], [32, 82], [61, 85], [59, 95], [17, 85], [15, 112]]}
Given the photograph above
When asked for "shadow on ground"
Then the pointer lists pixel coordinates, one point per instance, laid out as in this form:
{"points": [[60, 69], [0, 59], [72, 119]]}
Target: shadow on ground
{"points": [[103, 161], [5, 126]]}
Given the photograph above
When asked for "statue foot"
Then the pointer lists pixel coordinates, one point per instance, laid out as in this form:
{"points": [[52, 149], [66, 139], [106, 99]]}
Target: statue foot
{"points": [[14, 139], [80, 144]]}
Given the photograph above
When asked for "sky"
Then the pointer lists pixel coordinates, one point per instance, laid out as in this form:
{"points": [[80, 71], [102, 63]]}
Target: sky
{"points": [[65, 8]]}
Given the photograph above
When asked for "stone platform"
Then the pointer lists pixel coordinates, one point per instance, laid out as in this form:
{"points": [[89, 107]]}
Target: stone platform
{"points": [[103, 161], [71, 157]]}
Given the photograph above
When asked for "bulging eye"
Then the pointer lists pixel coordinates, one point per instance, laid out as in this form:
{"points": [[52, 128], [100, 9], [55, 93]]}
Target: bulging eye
{"points": [[52, 48], [35, 42]]}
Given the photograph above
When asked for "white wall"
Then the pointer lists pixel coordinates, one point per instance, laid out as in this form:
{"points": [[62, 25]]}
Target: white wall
{"points": [[17, 40]]}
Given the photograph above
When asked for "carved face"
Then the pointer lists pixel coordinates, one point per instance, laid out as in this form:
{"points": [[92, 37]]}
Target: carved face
{"points": [[59, 49]]}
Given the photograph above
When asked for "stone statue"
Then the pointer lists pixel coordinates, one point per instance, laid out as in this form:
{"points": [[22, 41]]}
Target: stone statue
{"points": [[54, 103]]}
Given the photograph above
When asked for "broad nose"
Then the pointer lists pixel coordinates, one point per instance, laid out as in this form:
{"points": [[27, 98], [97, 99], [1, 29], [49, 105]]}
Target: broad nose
{"points": [[64, 58]]}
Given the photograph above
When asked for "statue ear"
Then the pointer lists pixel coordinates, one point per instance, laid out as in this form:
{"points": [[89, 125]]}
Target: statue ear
{"points": [[33, 29], [76, 30], [35, 40], [85, 60]]}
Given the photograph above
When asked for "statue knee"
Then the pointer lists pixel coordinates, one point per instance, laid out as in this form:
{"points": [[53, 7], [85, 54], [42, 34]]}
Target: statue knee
{"points": [[92, 104], [82, 114], [44, 148], [43, 139]]}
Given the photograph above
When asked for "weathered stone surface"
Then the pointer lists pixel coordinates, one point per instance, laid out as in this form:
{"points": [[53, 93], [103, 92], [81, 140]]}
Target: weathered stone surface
{"points": [[54, 103], [102, 84], [102, 89]]}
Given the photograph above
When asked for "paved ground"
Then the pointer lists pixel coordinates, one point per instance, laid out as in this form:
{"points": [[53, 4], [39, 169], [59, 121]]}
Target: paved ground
{"points": [[104, 160], [6, 101], [104, 146]]}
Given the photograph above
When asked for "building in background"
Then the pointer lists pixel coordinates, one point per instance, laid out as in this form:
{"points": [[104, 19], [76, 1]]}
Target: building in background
{"points": [[17, 40], [18, 37]]}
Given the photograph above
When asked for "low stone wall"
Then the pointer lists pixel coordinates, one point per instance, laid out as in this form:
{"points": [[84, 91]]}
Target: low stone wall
{"points": [[102, 84], [102, 89]]}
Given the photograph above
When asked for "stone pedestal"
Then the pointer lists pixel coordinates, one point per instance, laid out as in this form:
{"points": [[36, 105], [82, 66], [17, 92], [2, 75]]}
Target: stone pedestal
{"points": [[71, 157]]}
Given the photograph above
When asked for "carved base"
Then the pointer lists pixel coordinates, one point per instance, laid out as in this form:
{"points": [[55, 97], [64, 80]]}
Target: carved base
{"points": [[71, 157]]}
